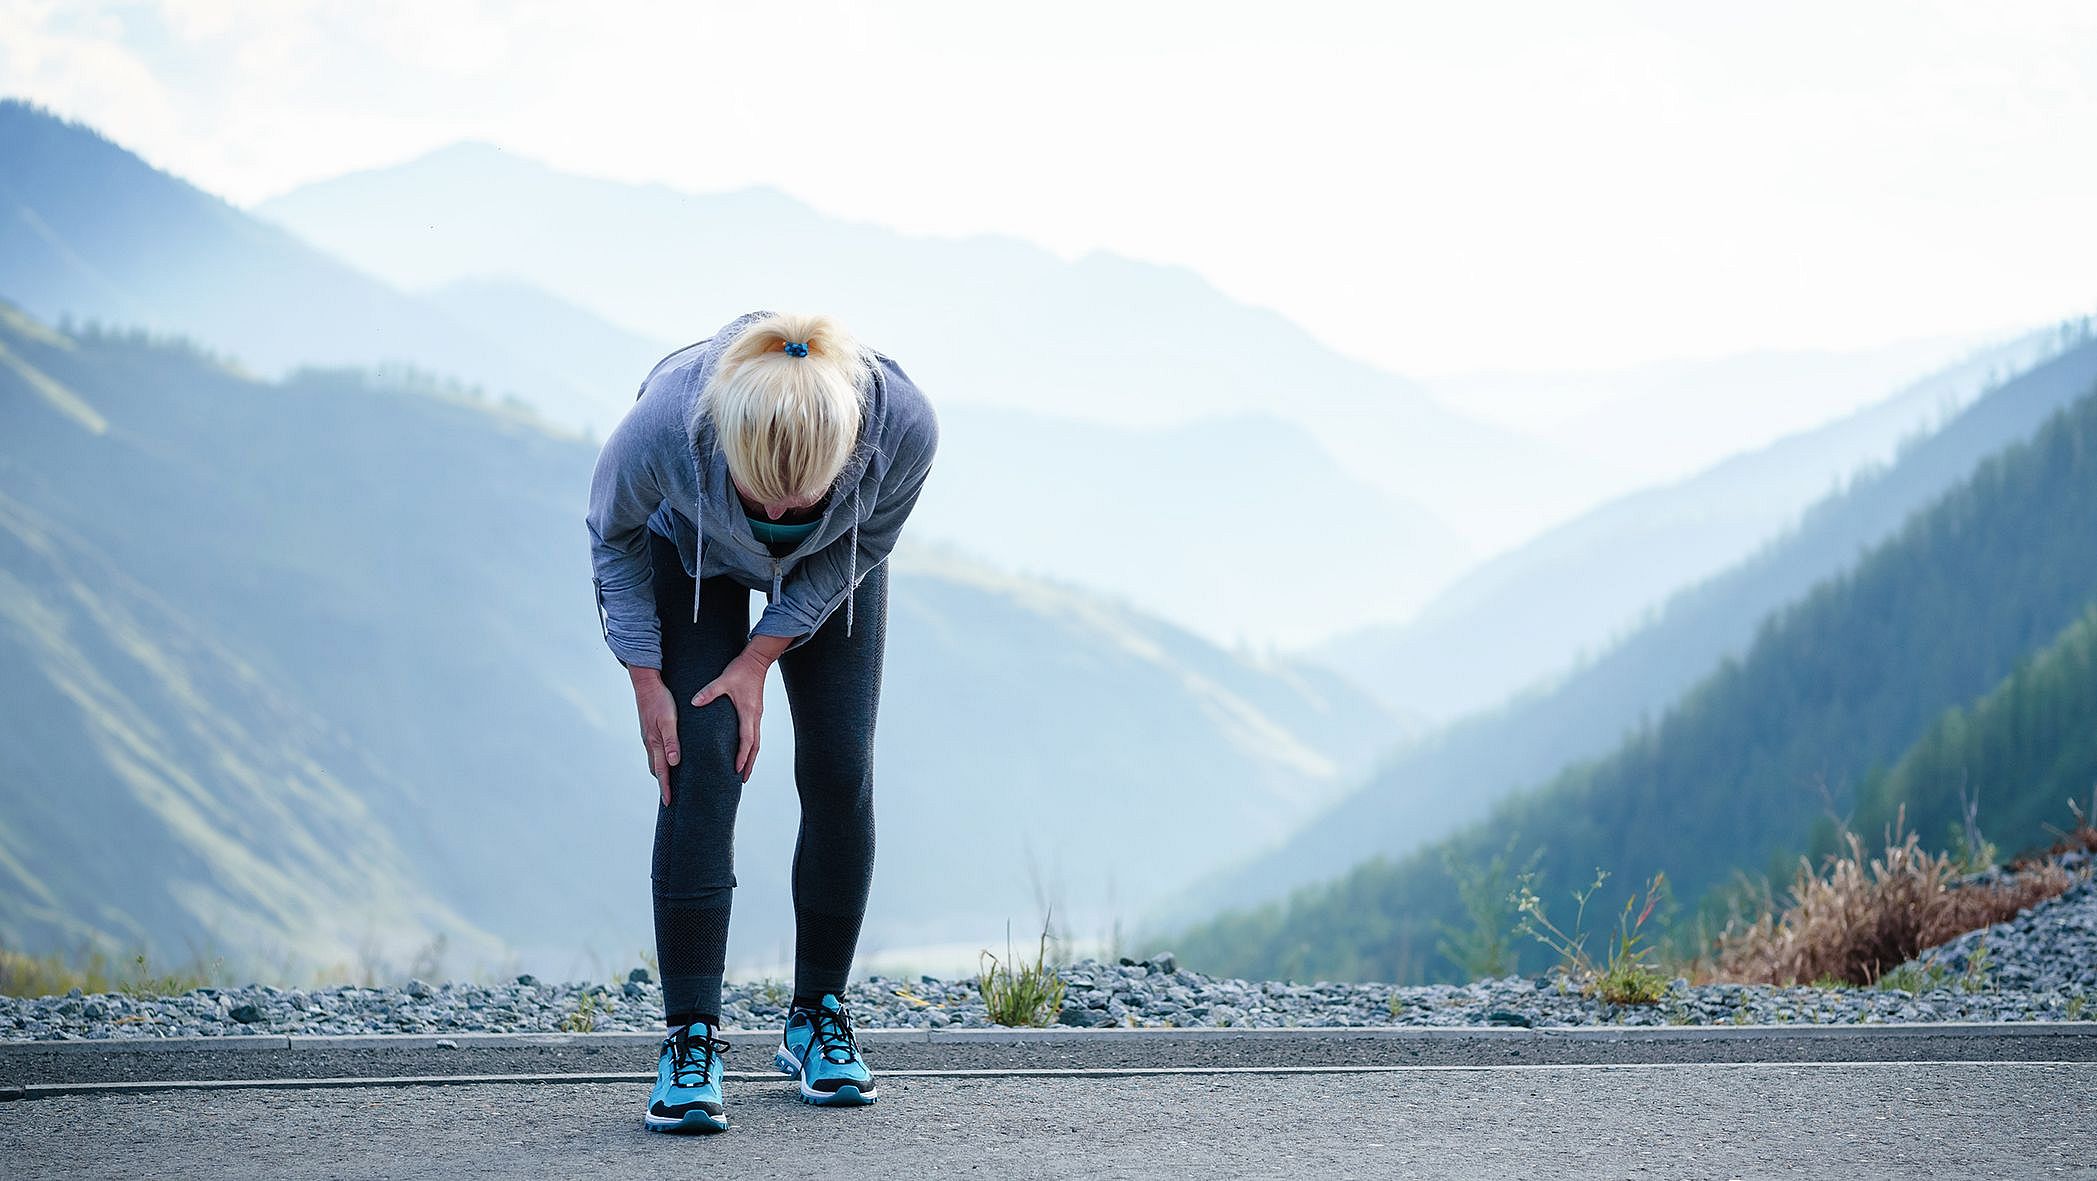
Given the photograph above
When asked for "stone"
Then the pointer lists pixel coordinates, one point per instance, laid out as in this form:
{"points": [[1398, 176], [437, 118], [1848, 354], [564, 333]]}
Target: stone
{"points": [[528, 980], [420, 990], [1080, 1016], [1509, 1017], [246, 1014], [1165, 962], [640, 976]]}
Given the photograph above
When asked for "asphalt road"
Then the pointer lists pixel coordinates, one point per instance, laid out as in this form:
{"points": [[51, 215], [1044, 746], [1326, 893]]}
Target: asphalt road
{"points": [[38, 1066], [1849, 1101], [1842, 1119]]}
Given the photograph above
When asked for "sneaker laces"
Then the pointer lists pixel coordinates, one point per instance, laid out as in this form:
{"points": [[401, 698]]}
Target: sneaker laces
{"points": [[833, 1034], [691, 1058]]}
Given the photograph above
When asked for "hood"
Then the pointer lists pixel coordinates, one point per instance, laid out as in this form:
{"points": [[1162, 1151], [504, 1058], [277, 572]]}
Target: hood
{"points": [[697, 363], [701, 359]]}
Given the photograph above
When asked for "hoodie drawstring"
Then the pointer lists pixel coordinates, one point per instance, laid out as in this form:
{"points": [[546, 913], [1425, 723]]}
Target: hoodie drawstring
{"points": [[852, 578], [698, 533]]}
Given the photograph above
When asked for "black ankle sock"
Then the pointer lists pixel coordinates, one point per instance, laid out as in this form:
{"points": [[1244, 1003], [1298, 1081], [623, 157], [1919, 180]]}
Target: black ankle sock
{"points": [[806, 1002], [680, 1020]]}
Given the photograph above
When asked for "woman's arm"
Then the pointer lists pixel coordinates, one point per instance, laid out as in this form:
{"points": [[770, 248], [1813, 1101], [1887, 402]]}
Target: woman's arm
{"points": [[624, 491]]}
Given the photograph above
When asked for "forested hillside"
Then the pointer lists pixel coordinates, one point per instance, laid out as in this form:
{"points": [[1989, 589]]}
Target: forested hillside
{"points": [[161, 794], [2019, 755], [1738, 774], [1426, 790]]}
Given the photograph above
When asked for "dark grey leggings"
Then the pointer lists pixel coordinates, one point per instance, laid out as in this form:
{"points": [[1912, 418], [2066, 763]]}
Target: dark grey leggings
{"points": [[833, 687]]}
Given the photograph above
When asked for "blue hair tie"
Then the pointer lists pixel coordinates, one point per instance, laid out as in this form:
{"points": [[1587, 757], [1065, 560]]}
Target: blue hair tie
{"points": [[797, 348]]}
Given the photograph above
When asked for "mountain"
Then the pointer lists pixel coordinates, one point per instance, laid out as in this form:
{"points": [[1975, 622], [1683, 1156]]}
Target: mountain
{"points": [[1738, 776], [989, 320], [588, 370], [97, 235], [1531, 614], [1665, 421], [159, 794], [349, 614], [2019, 755], [91, 232], [1187, 521], [1455, 774]]}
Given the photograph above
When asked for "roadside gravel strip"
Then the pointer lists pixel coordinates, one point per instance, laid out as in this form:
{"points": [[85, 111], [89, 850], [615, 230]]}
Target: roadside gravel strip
{"points": [[2040, 966]]}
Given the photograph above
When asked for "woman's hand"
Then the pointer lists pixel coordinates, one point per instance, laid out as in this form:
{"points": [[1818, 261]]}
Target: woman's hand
{"points": [[658, 710], [743, 683]]}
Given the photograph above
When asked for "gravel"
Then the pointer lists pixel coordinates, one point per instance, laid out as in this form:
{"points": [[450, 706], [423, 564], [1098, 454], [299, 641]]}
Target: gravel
{"points": [[2039, 966], [2048, 948]]}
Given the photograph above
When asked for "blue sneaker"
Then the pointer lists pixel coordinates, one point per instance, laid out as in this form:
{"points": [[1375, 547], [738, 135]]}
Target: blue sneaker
{"points": [[687, 1095], [818, 1048]]}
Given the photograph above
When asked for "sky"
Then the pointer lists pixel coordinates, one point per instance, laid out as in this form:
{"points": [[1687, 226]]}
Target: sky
{"points": [[1436, 188]]}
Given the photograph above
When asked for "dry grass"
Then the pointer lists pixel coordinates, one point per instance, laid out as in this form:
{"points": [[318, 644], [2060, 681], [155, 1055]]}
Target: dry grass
{"points": [[92, 970], [1862, 916]]}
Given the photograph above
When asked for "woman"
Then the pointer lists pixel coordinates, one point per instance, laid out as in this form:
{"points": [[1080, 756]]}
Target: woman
{"points": [[776, 455]]}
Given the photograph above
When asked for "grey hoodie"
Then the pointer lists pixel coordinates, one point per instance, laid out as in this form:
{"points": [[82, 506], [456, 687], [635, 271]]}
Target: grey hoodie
{"points": [[660, 470]]}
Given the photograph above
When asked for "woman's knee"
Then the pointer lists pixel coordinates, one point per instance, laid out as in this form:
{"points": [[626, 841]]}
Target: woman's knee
{"points": [[707, 738], [838, 773]]}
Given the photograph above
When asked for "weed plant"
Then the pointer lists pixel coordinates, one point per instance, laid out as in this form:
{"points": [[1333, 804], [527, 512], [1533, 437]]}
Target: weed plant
{"points": [[587, 1012], [1624, 975], [1020, 994]]}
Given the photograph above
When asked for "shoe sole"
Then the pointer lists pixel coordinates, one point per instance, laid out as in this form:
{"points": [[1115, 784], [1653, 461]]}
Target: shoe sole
{"points": [[694, 1123], [848, 1095]]}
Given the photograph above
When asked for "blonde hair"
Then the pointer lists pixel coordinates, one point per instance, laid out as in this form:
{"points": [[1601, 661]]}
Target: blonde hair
{"points": [[787, 422]]}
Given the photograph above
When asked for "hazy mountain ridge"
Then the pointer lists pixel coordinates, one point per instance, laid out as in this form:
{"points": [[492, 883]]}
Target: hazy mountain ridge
{"points": [[1186, 521], [1455, 774], [1668, 420], [249, 289], [985, 320], [1741, 773], [91, 232], [1529, 615], [594, 365]]}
